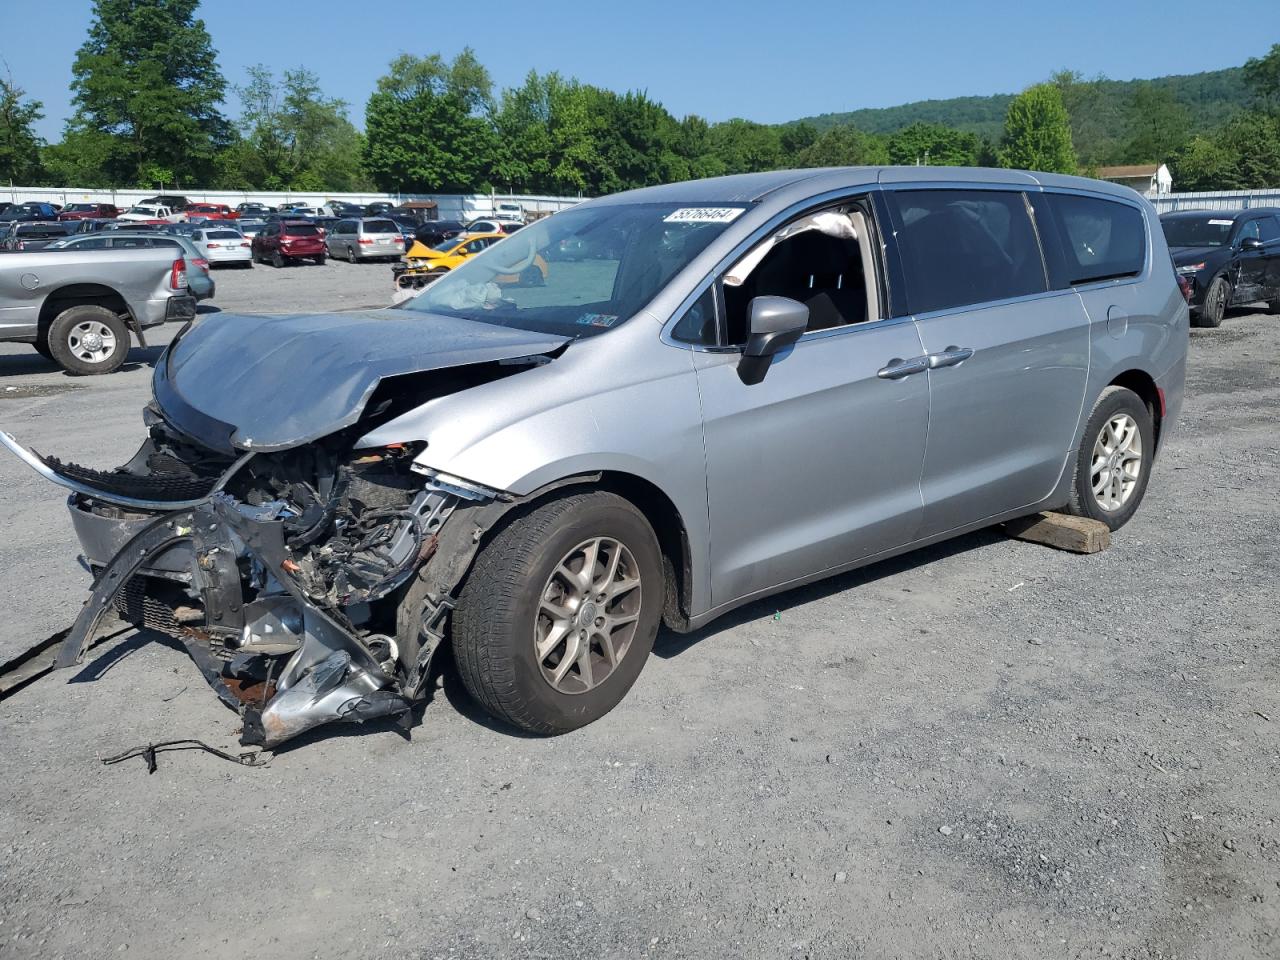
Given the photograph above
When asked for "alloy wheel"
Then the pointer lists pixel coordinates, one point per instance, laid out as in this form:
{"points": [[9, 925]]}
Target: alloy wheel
{"points": [[1117, 462], [91, 341], [588, 613]]}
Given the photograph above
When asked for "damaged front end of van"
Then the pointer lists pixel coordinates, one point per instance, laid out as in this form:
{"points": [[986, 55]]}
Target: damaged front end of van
{"points": [[308, 575]]}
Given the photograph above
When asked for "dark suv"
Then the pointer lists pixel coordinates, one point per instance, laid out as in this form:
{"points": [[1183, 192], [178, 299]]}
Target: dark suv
{"points": [[284, 241], [1230, 257]]}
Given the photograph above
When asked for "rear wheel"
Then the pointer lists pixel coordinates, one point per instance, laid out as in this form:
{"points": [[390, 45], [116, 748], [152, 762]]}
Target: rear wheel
{"points": [[88, 339], [320, 260], [277, 260], [1113, 463], [351, 254], [1216, 299], [560, 613]]}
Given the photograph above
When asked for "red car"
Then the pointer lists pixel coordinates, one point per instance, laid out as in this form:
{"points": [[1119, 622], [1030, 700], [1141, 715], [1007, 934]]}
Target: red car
{"points": [[89, 211], [211, 211], [283, 241]]}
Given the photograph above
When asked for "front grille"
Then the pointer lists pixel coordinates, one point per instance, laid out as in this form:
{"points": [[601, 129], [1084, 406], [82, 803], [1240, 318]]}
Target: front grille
{"points": [[155, 486]]}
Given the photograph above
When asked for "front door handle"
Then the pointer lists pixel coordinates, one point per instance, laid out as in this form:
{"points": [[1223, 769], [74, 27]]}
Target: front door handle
{"points": [[897, 368], [949, 357]]}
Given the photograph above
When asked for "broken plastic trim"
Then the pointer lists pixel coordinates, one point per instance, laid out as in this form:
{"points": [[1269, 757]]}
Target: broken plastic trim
{"points": [[36, 463]]}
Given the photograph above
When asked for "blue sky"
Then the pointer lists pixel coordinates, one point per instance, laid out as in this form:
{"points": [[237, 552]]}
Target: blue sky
{"points": [[767, 61]]}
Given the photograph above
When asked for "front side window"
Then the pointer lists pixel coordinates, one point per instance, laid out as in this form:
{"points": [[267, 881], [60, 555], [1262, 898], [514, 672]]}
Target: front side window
{"points": [[581, 272], [698, 325], [1250, 230], [962, 247], [1103, 240], [1269, 229]]}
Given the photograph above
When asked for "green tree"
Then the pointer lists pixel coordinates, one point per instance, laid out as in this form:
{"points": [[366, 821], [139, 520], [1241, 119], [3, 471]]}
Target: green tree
{"points": [[1202, 164], [798, 136], [843, 146], [548, 136], [1158, 125], [19, 146], [933, 144], [292, 136], [743, 146], [1252, 140], [147, 83], [428, 127], [1262, 75], [1037, 132]]}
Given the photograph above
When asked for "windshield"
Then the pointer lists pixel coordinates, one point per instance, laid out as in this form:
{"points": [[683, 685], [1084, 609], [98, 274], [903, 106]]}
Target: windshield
{"points": [[444, 246], [580, 272], [1207, 231]]}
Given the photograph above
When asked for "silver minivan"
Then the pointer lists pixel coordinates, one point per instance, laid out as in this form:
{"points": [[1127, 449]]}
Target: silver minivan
{"points": [[705, 393], [372, 238]]}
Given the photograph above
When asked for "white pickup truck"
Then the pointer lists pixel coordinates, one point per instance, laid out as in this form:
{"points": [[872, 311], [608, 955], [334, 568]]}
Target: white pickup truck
{"points": [[81, 308]]}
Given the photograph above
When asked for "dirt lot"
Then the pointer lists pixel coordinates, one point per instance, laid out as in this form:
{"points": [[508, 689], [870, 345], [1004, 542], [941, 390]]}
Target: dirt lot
{"points": [[989, 749]]}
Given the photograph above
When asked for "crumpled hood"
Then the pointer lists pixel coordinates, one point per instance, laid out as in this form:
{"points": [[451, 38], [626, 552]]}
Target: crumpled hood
{"points": [[270, 383]]}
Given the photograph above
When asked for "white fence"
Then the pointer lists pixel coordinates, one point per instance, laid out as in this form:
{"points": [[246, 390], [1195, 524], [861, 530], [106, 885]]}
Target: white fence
{"points": [[452, 206], [1216, 200]]}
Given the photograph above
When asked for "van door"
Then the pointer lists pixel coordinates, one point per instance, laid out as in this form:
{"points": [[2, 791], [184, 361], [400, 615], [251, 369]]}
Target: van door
{"points": [[1008, 357], [817, 465]]}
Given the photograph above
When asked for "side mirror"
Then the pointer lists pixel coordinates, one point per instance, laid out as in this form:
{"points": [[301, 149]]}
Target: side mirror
{"points": [[775, 323], [1250, 243]]}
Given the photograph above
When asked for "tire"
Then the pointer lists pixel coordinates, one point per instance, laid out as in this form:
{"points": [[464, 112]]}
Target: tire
{"points": [[500, 614], [1273, 306], [277, 260], [351, 254], [1216, 299], [320, 260], [1115, 404], [71, 340]]}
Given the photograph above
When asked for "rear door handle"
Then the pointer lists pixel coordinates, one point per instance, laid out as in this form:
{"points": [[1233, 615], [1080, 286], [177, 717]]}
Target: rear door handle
{"points": [[949, 357], [897, 368]]}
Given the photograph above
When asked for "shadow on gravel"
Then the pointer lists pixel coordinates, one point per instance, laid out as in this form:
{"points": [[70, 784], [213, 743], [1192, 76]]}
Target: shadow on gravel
{"points": [[100, 666], [25, 366], [670, 644]]}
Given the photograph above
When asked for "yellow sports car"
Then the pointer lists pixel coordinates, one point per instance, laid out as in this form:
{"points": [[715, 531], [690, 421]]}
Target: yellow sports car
{"points": [[423, 264]]}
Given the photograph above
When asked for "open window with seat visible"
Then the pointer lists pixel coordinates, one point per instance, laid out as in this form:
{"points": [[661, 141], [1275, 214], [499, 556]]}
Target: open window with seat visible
{"points": [[825, 260]]}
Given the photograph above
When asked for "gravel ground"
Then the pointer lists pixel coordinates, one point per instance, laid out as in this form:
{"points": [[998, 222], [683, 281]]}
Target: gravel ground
{"points": [[988, 749]]}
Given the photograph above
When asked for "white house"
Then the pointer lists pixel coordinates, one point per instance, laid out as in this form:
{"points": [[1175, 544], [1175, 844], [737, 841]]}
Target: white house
{"points": [[1149, 179]]}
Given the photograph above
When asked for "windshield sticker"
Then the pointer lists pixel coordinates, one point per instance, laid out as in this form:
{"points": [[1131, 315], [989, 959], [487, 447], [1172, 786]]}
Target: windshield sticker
{"points": [[703, 215], [597, 320], [1221, 223]]}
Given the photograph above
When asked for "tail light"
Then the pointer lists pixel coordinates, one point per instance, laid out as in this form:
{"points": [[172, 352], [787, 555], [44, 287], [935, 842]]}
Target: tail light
{"points": [[366, 239], [213, 246], [245, 244], [1185, 286], [178, 275]]}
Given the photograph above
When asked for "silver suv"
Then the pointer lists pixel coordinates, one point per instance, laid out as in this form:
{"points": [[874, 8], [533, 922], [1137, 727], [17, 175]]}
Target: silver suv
{"points": [[704, 394]]}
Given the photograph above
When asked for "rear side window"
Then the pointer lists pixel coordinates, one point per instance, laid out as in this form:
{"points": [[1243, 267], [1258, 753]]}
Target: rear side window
{"points": [[380, 226], [1101, 239], [961, 247]]}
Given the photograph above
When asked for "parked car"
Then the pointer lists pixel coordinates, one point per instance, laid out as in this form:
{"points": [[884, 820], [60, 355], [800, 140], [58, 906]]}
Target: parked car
{"points": [[26, 235], [150, 213], [374, 238], [89, 211], [784, 376], [287, 241], [430, 263], [509, 211], [250, 226], [435, 231], [29, 212], [174, 201], [252, 208], [136, 226], [378, 208], [210, 211], [83, 311], [493, 226], [347, 211], [223, 245], [1229, 257], [199, 281]]}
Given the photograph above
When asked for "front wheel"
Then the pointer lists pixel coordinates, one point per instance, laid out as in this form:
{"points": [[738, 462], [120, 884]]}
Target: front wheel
{"points": [[1113, 463], [560, 613], [88, 340], [1216, 299]]}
